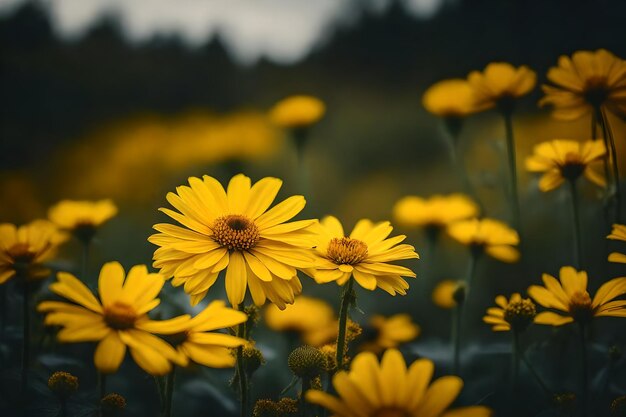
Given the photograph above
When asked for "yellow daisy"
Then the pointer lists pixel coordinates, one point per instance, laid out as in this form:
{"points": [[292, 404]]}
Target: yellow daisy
{"points": [[562, 160], [449, 99], [499, 84], [585, 83], [390, 332], [310, 317], [618, 233], [233, 230], [446, 292], [435, 212], [23, 250], [389, 389], [117, 320], [82, 217], [363, 255], [493, 237], [515, 313], [572, 301], [194, 340], [297, 111]]}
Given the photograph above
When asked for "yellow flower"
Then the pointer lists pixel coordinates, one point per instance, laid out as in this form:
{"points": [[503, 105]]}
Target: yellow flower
{"points": [[449, 98], [23, 250], [434, 212], [234, 231], [618, 233], [363, 255], [389, 389], [308, 316], [446, 293], [571, 299], [515, 313], [499, 84], [487, 235], [119, 319], [194, 340], [390, 332], [297, 111], [71, 215], [562, 160], [586, 81]]}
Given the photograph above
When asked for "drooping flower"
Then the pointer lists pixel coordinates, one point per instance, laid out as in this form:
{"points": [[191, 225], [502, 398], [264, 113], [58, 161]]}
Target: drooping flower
{"points": [[448, 293], [297, 111], [24, 250], [434, 213], [562, 160], [572, 302], [233, 230], [310, 317], [499, 84], [364, 255], [490, 236], [117, 320], [449, 99], [584, 83], [515, 313], [618, 233], [389, 332], [82, 218], [389, 389]]}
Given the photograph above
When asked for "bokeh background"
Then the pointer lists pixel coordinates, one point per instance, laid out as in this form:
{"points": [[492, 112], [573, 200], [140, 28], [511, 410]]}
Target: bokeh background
{"points": [[126, 99]]}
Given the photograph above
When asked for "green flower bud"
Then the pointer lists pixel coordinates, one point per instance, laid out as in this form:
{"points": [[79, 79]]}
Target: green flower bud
{"points": [[306, 362]]}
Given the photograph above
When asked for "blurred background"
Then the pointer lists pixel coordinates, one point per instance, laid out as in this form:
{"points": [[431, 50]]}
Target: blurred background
{"points": [[127, 99]]}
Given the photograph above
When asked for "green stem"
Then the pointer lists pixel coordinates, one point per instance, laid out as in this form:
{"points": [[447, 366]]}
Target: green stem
{"points": [[614, 165], [306, 385], [515, 359], [85, 261], [583, 347], [241, 370], [456, 338], [102, 388], [346, 298], [534, 373], [576, 220], [63, 411], [471, 271], [26, 335], [510, 147], [169, 392]]}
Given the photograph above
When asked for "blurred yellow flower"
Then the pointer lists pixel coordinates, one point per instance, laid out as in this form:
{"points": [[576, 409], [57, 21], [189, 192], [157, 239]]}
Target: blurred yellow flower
{"points": [[310, 317], [562, 160], [515, 313], [363, 255], [117, 321], [23, 250], [297, 111], [618, 233], [194, 341], [233, 230], [446, 292], [449, 98], [499, 84], [435, 212], [390, 332], [572, 301], [82, 217], [493, 237], [389, 389], [586, 82]]}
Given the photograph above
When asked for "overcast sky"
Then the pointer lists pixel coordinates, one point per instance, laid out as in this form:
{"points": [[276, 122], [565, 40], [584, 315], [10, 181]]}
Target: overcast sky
{"points": [[281, 30]]}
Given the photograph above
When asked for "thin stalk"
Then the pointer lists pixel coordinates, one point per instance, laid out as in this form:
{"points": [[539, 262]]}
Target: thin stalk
{"points": [[510, 147], [456, 339], [346, 297], [3, 310], [534, 373], [241, 370], [63, 411], [26, 336], [584, 383], [515, 359], [169, 392], [614, 165], [102, 388], [576, 220], [306, 385], [471, 271], [85, 260]]}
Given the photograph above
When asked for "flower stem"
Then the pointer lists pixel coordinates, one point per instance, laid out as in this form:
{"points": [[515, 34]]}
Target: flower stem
{"points": [[346, 298], [169, 392], [85, 260], [471, 270], [456, 338], [306, 385], [26, 336], [614, 164], [3, 310], [576, 220], [534, 373], [102, 387], [515, 359], [583, 346], [241, 369], [510, 147]]}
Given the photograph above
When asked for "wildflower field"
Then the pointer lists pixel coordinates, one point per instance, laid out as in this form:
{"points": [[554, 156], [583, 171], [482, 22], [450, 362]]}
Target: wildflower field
{"points": [[357, 234]]}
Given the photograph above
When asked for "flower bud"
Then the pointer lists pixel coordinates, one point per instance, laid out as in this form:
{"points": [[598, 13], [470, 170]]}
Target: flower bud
{"points": [[306, 362]]}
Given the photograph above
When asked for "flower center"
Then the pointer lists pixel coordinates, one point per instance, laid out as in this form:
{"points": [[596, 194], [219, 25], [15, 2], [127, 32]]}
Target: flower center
{"points": [[573, 167], [236, 232], [520, 314], [84, 231], [596, 91], [120, 316], [20, 254], [345, 250], [390, 412], [580, 306]]}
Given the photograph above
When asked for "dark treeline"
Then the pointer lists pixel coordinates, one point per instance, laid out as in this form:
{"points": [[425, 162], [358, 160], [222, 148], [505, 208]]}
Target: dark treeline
{"points": [[53, 90]]}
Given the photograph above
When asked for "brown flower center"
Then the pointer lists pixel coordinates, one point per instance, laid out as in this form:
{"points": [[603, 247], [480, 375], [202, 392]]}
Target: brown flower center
{"points": [[235, 232], [596, 91], [580, 306], [120, 316], [573, 167], [345, 250], [520, 314], [390, 412], [20, 253]]}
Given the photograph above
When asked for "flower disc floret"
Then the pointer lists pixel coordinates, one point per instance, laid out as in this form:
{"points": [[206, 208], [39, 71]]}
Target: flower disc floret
{"points": [[236, 232], [345, 250]]}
